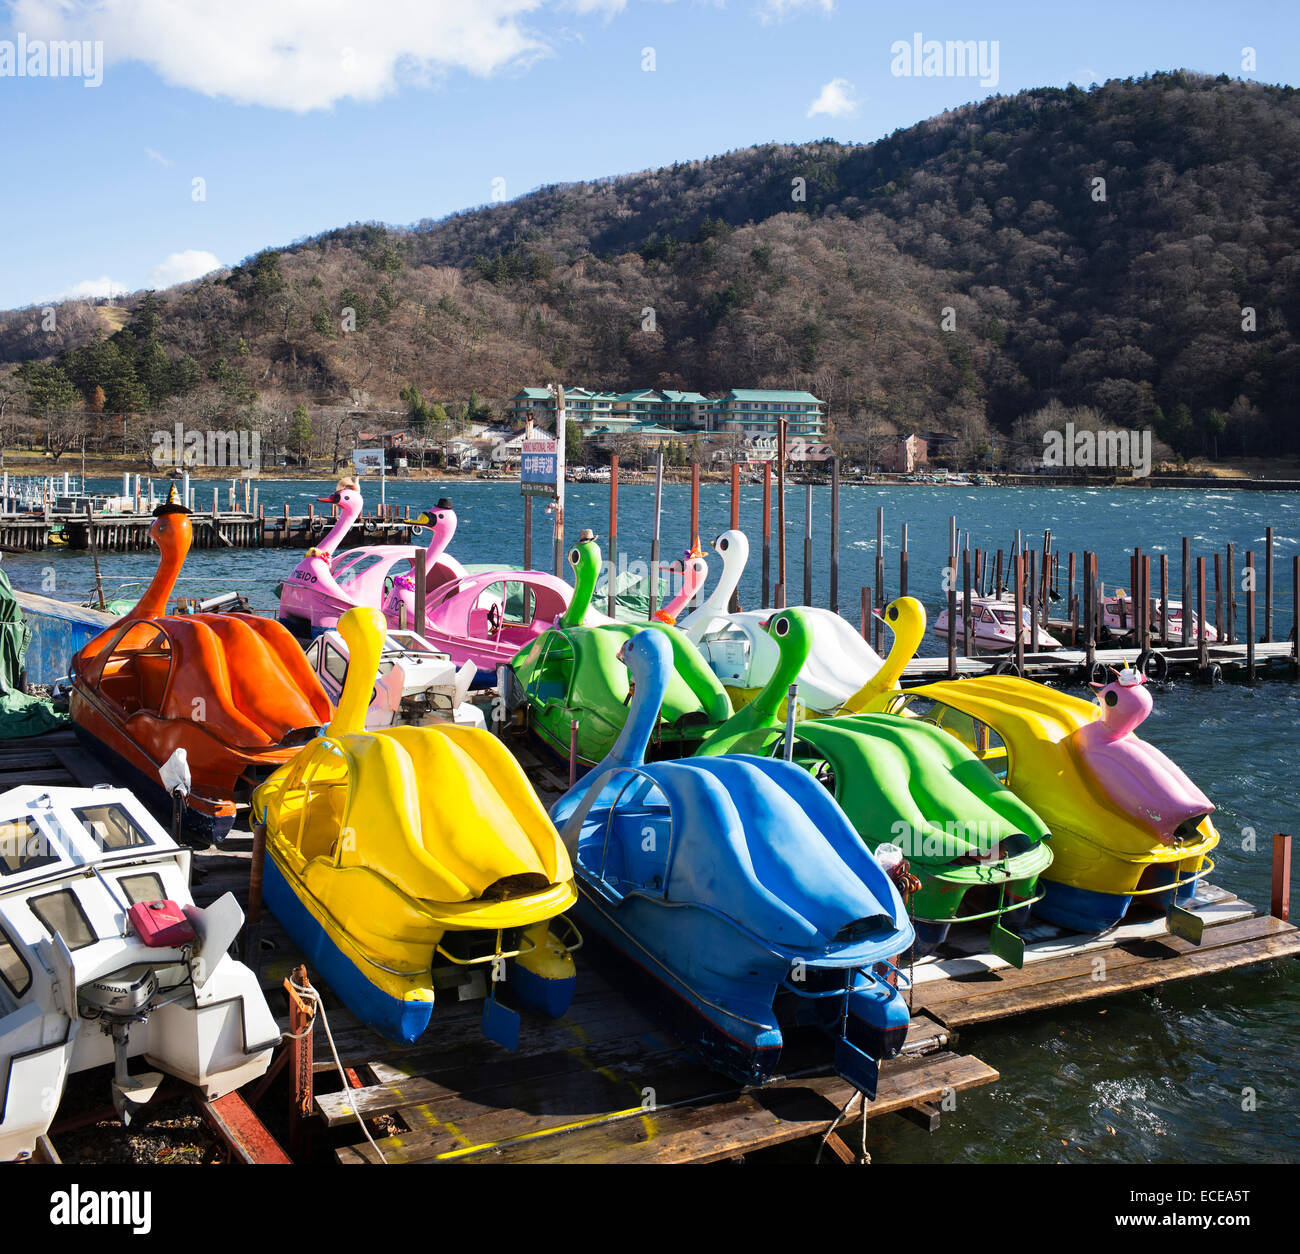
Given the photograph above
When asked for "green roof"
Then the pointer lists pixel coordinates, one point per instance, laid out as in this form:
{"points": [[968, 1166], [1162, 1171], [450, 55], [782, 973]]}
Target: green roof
{"points": [[762, 394]]}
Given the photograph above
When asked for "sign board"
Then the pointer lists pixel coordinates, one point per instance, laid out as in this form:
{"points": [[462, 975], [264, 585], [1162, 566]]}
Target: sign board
{"points": [[537, 467], [368, 461]]}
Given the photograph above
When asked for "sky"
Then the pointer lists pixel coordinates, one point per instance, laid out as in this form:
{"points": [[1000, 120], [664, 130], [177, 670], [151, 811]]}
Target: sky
{"points": [[196, 132]]}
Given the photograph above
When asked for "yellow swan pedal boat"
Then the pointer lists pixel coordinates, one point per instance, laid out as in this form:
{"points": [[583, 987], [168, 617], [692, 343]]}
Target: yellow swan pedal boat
{"points": [[1106, 851], [406, 860]]}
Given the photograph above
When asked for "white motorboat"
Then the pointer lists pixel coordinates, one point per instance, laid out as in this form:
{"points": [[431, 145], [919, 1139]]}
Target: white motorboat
{"points": [[993, 626], [104, 958]]}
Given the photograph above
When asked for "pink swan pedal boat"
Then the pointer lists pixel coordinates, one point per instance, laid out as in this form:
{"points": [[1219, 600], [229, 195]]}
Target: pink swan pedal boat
{"points": [[487, 618], [323, 587]]}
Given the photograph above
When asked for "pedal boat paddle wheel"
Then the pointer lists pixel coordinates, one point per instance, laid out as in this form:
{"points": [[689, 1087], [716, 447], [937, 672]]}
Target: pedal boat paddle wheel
{"points": [[220, 700], [407, 862], [740, 887]]}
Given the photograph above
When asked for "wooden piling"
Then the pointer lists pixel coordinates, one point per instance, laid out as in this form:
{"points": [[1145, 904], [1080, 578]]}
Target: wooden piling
{"points": [[421, 590], [654, 535], [1231, 581], [1017, 577], [611, 591], [1280, 897], [1218, 596], [1089, 622], [1164, 599], [835, 536], [734, 604], [780, 514], [1202, 645], [1250, 616], [528, 531], [695, 502], [866, 613], [807, 544], [880, 570], [767, 534], [966, 615], [998, 576], [1184, 589], [1268, 584]]}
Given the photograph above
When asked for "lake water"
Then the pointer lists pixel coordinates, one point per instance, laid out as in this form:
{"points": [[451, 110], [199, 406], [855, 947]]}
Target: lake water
{"points": [[1160, 1076]]}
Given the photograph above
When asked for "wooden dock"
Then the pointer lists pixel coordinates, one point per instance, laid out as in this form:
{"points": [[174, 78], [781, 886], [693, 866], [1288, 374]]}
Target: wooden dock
{"points": [[609, 1082]]}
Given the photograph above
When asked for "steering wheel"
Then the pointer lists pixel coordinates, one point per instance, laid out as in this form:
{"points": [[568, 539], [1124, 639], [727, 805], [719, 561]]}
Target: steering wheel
{"points": [[494, 619]]}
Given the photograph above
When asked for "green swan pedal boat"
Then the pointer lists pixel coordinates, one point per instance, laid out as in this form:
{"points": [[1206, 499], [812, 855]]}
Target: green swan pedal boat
{"points": [[976, 848], [572, 674]]}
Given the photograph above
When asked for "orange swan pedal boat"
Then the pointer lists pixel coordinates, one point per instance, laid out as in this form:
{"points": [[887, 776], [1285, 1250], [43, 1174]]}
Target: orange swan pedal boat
{"points": [[204, 704]]}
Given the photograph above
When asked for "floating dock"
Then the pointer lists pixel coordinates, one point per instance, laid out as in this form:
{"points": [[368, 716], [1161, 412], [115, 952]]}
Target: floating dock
{"points": [[609, 1082]]}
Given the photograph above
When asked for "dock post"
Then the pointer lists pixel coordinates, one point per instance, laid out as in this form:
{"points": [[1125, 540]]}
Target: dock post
{"points": [[835, 536], [880, 569], [1280, 903], [612, 562], [302, 1056], [1218, 596], [1033, 602], [1164, 599], [1071, 605], [654, 534], [1146, 602], [421, 589], [807, 544], [997, 577], [1184, 589], [1250, 616], [528, 531], [767, 534], [1230, 575], [866, 613], [780, 514], [951, 642], [1018, 578], [1045, 576], [256, 869], [1202, 647], [1268, 584], [573, 752], [694, 529], [966, 615], [1089, 622], [733, 606], [1295, 616]]}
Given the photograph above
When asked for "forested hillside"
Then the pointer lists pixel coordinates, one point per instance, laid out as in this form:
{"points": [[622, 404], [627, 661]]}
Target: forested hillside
{"points": [[1134, 249]]}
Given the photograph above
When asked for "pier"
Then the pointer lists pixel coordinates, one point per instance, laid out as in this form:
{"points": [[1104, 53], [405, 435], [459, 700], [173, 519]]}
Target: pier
{"points": [[609, 1082]]}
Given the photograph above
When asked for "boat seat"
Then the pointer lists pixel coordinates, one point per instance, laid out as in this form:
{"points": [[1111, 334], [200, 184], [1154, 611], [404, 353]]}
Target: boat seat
{"points": [[643, 835]]}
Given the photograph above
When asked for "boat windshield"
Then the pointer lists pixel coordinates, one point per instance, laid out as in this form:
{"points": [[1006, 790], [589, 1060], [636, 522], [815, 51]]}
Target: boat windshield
{"points": [[24, 847], [112, 828]]}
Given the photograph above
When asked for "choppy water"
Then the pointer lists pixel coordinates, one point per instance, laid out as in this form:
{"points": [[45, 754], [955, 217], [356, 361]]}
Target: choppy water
{"points": [[1148, 1076]]}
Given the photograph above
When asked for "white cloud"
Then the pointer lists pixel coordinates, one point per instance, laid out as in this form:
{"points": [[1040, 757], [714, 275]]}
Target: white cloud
{"points": [[193, 263], [300, 54], [156, 156], [770, 11], [89, 289], [836, 99]]}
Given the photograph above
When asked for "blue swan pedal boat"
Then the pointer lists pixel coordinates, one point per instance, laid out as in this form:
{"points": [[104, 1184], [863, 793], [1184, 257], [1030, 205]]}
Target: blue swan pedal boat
{"points": [[740, 886]]}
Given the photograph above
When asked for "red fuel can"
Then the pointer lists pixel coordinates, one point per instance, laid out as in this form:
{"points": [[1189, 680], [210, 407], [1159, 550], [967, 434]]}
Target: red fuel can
{"points": [[161, 924]]}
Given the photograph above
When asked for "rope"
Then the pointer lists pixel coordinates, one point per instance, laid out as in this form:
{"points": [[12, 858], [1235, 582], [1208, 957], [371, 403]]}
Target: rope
{"points": [[311, 995], [864, 1158]]}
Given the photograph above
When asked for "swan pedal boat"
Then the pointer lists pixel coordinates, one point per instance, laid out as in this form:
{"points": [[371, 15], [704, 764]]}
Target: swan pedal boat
{"points": [[975, 847], [405, 860], [234, 691], [105, 959], [743, 655], [572, 674], [324, 586], [1106, 850], [741, 888]]}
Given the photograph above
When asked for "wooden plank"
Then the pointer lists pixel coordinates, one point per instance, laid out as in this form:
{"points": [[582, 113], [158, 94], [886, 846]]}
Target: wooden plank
{"points": [[756, 1119], [1081, 988], [84, 767], [932, 995]]}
